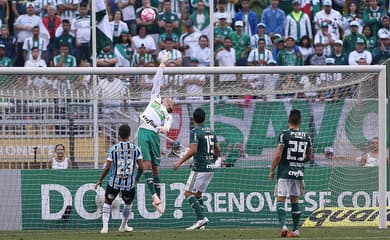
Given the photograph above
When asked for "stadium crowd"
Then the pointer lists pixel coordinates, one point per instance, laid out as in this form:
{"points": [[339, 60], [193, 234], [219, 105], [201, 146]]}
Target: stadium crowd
{"points": [[55, 33]]}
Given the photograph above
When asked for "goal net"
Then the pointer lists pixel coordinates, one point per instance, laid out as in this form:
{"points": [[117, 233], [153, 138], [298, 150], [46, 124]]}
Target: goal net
{"points": [[247, 107]]}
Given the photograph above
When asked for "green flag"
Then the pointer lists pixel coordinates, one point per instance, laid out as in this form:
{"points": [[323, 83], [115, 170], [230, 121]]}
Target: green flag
{"points": [[103, 29]]}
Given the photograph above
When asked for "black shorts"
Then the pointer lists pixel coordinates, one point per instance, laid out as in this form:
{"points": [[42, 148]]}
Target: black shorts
{"points": [[127, 195]]}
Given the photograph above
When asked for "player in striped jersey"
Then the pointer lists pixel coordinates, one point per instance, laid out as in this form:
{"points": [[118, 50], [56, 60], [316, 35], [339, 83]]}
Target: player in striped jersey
{"points": [[124, 163]]}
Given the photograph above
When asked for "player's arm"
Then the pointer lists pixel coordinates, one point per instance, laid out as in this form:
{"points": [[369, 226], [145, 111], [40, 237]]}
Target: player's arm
{"points": [[167, 124], [309, 154], [70, 165], [276, 160], [106, 168], [158, 79], [188, 155]]}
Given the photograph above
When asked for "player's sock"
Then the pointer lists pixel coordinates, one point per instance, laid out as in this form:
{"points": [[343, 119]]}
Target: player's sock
{"points": [[149, 181], [194, 203], [106, 214], [296, 214], [157, 185], [125, 214], [281, 213], [201, 203]]}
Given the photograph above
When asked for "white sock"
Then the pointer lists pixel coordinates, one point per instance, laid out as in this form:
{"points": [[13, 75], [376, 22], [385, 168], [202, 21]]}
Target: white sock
{"points": [[125, 214], [106, 215]]}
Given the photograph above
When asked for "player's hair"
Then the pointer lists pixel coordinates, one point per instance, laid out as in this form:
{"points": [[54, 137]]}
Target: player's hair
{"points": [[59, 145], [199, 115], [124, 131], [65, 21], [295, 117]]}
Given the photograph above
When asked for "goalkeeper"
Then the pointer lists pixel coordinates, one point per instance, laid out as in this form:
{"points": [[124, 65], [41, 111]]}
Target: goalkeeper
{"points": [[294, 148], [155, 119]]}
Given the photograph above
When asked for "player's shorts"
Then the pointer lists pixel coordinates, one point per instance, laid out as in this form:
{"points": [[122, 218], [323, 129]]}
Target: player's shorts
{"points": [[127, 195], [289, 187], [149, 142], [198, 181]]}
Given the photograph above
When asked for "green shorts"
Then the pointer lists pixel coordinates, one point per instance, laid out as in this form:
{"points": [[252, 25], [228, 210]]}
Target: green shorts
{"points": [[149, 142]]}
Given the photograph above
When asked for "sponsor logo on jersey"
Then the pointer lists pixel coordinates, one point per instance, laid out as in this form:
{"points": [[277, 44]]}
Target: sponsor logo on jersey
{"points": [[296, 174]]}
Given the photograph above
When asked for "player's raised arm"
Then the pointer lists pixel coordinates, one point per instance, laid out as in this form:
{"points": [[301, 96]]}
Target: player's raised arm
{"points": [[158, 78]]}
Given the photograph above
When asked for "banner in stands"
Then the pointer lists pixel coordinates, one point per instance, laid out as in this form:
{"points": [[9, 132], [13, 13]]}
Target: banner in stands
{"points": [[235, 198]]}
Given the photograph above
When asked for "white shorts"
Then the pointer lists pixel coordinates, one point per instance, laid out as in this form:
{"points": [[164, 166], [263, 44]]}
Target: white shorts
{"points": [[198, 181], [289, 187]]}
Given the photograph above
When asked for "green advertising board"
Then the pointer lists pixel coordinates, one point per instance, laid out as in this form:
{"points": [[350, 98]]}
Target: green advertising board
{"points": [[235, 198]]}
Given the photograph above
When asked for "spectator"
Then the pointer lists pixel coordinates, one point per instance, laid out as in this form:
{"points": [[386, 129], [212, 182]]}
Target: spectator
{"points": [[382, 52], [34, 41], [106, 57], [329, 153], [370, 157], [260, 56], [241, 43], [371, 38], [118, 26], [194, 5], [142, 58], [151, 27], [68, 8], [23, 25], [325, 38], [385, 30], [258, 6], [19, 7], [352, 14], [168, 34], [168, 15], [326, 79], [332, 17], [224, 9], [189, 41], [59, 161], [65, 37], [273, 18], [319, 57], [4, 12], [64, 59], [38, 82], [4, 60], [349, 42], [124, 50], [290, 55], [111, 89], [127, 10], [9, 43], [175, 57], [298, 23], [51, 22], [360, 54], [338, 54], [221, 31], [202, 51], [271, 81], [306, 49], [81, 26], [42, 7], [201, 19], [146, 40], [372, 15], [261, 34], [226, 57], [194, 83], [177, 7], [248, 17]]}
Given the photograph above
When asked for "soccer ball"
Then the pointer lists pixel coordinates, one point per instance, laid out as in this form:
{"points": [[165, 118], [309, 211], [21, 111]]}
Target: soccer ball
{"points": [[148, 15]]}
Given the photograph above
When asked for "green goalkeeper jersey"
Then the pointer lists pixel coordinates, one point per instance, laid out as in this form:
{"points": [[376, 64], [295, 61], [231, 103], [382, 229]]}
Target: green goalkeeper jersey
{"points": [[206, 139], [291, 165]]}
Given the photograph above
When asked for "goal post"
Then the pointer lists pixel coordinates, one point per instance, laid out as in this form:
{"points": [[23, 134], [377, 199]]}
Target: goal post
{"points": [[343, 108]]}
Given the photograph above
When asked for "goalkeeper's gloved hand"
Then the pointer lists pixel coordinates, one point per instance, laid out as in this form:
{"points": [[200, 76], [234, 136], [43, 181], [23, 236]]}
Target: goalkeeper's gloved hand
{"points": [[165, 57], [163, 129]]}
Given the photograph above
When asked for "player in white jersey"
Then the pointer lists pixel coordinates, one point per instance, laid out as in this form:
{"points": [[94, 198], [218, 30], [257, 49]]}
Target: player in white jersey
{"points": [[155, 119], [124, 163]]}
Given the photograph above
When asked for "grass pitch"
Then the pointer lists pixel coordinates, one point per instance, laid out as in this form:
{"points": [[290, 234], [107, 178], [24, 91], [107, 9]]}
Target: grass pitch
{"points": [[208, 234]]}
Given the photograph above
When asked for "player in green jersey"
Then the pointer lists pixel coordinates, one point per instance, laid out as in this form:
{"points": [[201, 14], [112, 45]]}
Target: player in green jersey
{"points": [[204, 149], [293, 150]]}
